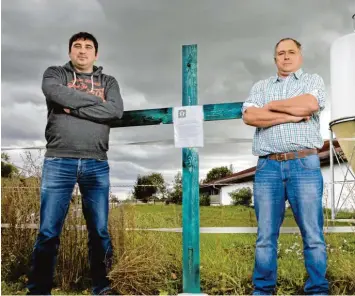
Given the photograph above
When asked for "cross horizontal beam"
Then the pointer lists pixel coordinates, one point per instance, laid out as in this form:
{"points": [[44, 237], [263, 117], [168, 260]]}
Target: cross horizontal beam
{"points": [[212, 112]]}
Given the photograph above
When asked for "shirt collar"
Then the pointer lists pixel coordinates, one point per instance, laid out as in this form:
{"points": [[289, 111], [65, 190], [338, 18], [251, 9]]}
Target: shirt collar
{"points": [[296, 74]]}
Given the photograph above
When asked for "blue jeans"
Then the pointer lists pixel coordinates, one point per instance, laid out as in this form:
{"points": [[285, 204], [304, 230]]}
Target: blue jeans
{"points": [[59, 177], [300, 182]]}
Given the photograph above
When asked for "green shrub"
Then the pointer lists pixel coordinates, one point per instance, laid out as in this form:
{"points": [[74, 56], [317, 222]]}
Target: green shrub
{"points": [[242, 196], [205, 200]]}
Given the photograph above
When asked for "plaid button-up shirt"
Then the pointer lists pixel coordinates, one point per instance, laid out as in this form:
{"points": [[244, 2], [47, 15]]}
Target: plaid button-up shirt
{"points": [[287, 137]]}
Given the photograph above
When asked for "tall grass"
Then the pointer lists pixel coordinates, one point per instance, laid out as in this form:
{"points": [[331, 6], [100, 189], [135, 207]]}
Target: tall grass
{"points": [[144, 262], [147, 262], [19, 203]]}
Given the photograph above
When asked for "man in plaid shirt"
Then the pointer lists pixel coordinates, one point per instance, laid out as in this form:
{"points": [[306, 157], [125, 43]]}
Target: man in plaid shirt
{"points": [[285, 110]]}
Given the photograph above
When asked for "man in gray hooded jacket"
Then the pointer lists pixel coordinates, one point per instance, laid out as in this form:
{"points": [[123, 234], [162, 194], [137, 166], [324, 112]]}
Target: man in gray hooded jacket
{"points": [[81, 103]]}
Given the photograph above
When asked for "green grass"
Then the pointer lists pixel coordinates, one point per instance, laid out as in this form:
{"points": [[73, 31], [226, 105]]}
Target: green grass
{"points": [[151, 262], [236, 258], [154, 216], [17, 289], [227, 264]]}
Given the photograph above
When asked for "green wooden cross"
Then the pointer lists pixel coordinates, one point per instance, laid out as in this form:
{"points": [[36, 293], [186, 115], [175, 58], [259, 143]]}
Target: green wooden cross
{"points": [[190, 161]]}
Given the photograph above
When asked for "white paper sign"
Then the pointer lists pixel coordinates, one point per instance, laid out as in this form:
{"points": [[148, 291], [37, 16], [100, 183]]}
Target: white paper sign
{"points": [[188, 126]]}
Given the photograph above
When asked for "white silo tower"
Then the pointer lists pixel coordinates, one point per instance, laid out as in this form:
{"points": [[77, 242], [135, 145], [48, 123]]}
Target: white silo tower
{"points": [[342, 69]]}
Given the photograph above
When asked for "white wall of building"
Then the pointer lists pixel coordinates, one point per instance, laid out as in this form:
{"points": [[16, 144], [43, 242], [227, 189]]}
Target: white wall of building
{"points": [[225, 199]]}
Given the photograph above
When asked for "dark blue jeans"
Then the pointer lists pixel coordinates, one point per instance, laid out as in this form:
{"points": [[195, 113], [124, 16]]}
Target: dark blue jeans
{"points": [[59, 177], [299, 181]]}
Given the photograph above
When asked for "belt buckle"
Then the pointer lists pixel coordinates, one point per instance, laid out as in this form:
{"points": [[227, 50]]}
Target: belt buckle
{"points": [[281, 157]]}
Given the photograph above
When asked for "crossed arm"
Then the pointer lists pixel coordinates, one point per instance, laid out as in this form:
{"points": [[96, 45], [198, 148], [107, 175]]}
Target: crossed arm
{"points": [[303, 105], [293, 109], [263, 117], [111, 108], [56, 92], [81, 104]]}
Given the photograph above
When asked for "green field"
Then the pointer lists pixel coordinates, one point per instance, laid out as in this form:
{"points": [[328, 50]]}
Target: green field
{"points": [[151, 262], [155, 216]]}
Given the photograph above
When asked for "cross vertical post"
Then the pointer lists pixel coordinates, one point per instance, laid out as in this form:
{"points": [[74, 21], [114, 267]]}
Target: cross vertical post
{"points": [[190, 181], [190, 161]]}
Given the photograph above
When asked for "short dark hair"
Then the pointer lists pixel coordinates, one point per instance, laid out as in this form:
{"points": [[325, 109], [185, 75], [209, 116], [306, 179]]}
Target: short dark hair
{"points": [[85, 36], [298, 44]]}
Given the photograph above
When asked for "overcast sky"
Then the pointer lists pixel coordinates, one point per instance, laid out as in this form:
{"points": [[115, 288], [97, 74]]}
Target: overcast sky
{"points": [[140, 44]]}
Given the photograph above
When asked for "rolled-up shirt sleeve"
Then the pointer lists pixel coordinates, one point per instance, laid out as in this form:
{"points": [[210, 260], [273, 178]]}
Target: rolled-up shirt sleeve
{"points": [[255, 98], [316, 88]]}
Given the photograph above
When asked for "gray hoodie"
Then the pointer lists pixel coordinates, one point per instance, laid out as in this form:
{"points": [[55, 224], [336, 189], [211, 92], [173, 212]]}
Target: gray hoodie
{"points": [[94, 100]]}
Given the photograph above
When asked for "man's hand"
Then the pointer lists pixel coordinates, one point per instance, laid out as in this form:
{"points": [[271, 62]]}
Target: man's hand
{"points": [[296, 119], [66, 110]]}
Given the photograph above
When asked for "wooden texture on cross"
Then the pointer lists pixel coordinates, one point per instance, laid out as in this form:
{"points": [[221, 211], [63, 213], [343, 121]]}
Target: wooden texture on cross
{"points": [[190, 181], [212, 112]]}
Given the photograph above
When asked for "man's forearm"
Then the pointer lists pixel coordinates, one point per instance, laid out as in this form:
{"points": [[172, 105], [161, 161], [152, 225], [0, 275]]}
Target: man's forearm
{"points": [[262, 117], [68, 97], [56, 92], [105, 112], [303, 105], [101, 113]]}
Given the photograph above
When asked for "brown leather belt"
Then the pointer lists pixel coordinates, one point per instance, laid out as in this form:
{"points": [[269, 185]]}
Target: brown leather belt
{"points": [[291, 155]]}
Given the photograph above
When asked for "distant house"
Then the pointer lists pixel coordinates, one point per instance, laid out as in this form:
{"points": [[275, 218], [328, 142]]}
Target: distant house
{"points": [[219, 189]]}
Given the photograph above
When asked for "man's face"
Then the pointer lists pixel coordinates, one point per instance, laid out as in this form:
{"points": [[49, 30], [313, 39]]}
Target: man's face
{"points": [[82, 54], [288, 57]]}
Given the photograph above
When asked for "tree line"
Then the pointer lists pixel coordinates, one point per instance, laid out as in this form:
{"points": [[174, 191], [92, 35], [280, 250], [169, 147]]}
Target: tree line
{"points": [[150, 187]]}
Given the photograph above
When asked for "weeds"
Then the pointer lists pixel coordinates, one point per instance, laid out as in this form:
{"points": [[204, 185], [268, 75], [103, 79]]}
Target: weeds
{"points": [[147, 262]]}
